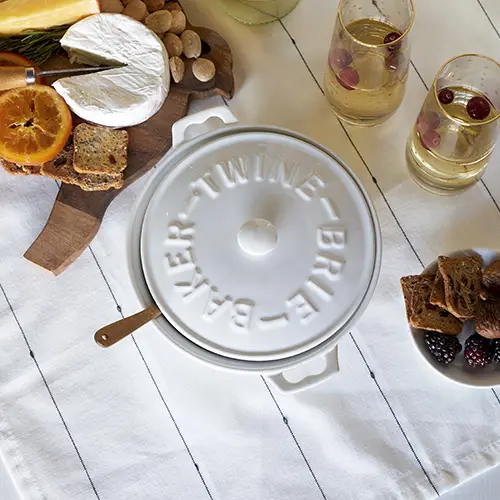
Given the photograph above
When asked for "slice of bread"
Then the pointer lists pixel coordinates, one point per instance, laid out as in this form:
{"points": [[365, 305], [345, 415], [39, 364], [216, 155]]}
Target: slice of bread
{"points": [[437, 294], [420, 313], [99, 150], [32, 169], [12, 168], [17, 169], [408, 284], [99, 182], [462, 284], [487, 321], [61, 168], [491, 277]]}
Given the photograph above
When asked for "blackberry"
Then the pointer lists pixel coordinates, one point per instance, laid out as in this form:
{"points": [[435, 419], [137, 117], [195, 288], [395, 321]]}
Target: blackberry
{"points": [[478, 351], [443, 347], [496, 350]]}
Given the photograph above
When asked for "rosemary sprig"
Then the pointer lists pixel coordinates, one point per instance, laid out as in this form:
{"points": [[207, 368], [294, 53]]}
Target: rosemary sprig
{"points": [[36, 45]]}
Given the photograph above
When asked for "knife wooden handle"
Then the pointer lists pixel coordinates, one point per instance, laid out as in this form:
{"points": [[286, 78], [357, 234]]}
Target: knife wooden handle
{"points": [[13, 77], [111, 334]]}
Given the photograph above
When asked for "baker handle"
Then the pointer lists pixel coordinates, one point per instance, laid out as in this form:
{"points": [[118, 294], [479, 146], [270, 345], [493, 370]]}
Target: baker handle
{"points": [[179, 127], [331, 368], [111, 334]]}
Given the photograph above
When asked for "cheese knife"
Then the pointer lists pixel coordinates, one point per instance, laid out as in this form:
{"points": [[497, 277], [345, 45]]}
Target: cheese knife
{"points": [[13, 77]]}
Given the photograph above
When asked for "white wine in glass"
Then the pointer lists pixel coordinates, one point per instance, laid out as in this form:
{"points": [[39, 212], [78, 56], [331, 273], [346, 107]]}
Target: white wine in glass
{"points": [[368, 60], [452, 140]]}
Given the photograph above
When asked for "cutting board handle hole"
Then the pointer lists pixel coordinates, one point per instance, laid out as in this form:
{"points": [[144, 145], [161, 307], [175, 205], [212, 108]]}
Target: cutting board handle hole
{"points": [[205, 48]]}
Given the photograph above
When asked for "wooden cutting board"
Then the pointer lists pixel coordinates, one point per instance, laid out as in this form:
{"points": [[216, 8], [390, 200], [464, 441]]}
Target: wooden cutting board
{"points": [[77, 214]]}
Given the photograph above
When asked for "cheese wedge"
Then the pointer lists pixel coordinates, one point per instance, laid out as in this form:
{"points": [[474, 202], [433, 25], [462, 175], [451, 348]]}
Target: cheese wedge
{"points": [[120, 97], [20, 15]]}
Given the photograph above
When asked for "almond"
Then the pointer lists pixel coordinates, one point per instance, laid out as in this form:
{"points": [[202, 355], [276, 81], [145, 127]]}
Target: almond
{"points": [[172, 6], [173, 44], [154, 5], [178, 22], [177, 68], [192, 44], [113, 6], [136, 9], [159, 21], [203, 69]]}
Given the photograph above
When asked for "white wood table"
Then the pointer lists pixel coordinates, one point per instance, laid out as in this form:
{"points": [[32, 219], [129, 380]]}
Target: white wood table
{"points": [[279, 76]]}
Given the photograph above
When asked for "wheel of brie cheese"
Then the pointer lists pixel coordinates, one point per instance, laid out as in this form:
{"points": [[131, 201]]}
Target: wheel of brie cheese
{"points": [[119, 97]]}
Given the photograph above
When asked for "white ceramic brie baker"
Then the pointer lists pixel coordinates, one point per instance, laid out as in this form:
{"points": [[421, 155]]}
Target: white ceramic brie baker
{"points": [[259, 246]]}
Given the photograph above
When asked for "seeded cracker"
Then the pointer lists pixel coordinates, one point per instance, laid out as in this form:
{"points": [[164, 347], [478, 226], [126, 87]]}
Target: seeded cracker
{"points": [[12, 168], [422, 314], [17, 169], [462, 284], [61, 168], [99, 150], [437, 295], [32, 169]]}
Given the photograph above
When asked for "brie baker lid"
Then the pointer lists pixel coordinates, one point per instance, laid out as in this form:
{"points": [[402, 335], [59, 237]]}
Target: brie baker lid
{"points": [[259, 246]]}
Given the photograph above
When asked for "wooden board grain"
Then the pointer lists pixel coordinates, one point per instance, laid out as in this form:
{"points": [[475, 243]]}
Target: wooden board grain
{"points": [[77, 214]]}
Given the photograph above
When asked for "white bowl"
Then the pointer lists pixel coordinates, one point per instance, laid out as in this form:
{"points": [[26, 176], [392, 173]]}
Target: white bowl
{"points": [[458, 371]]}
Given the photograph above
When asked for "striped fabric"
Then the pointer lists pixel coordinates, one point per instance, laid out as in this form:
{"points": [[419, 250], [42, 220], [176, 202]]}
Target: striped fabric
{"points": [[143, 421]]}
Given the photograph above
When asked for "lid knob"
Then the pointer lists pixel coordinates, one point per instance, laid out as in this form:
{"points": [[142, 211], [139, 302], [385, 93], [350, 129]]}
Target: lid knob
{"points": [[257, 237]]}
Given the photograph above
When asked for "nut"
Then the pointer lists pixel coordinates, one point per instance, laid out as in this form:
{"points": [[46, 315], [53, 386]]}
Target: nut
{"points": [[126, 2], [172, 6], [487, 321], [159, 21], [136, 9], [177, 68], [173, 44], [192, 44], [203, 69], [113, 6], [178, 22], [491, 277], [154, 5]]}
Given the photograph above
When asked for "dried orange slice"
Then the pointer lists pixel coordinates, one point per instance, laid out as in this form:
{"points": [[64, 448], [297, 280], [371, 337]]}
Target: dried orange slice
{"points": [[35, 124]]}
